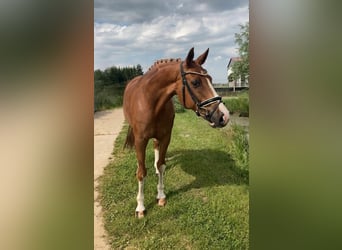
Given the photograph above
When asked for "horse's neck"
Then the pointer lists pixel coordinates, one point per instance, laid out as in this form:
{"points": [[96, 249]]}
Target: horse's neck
{"points": [[162, 85]]}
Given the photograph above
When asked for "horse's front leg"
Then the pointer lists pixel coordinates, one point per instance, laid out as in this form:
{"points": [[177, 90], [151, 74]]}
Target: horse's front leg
{"points": [[140, 146], [161, 197], [160, 168]]}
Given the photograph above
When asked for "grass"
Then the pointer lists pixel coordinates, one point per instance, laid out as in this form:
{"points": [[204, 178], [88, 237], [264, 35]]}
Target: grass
{"points": [[207, 201], [239, 149]]}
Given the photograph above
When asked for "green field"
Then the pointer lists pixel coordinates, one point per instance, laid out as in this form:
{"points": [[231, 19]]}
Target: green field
{"points": [[207, 199]]}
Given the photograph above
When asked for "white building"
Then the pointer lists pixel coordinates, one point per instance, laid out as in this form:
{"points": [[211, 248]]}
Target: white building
{"points": [[239, 83]]}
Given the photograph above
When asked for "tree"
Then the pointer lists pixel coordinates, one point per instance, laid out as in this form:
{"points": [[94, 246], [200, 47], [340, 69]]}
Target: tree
{"points": [[241, 68], [109, 85], [139, 70]]}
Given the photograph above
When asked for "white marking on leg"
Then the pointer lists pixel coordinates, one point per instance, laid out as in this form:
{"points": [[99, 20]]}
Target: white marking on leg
{"points": [[160, 186], [140, 197], [156, 159]]}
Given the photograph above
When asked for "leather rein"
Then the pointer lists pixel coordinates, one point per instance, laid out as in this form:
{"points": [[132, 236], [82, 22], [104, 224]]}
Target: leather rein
{"points": [[200, 105]]}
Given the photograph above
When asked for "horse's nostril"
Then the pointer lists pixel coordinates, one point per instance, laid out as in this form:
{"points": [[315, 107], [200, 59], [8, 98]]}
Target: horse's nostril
{"points": [[221, 120]]}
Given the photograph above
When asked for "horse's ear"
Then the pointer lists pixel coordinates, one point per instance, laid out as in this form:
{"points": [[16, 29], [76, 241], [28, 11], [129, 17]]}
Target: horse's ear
{"points": [[201, 59], [190, 56]]}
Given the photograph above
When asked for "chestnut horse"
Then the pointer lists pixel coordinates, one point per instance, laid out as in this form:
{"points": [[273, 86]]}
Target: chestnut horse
{"points": [[149, 111]]}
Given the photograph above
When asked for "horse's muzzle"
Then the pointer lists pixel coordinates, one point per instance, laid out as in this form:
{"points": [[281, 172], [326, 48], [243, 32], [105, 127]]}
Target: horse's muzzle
{"points": [[220, 117]]}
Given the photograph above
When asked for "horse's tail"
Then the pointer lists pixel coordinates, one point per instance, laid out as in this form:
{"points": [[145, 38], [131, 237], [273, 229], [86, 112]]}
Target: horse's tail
{"points": [[130, 138]]}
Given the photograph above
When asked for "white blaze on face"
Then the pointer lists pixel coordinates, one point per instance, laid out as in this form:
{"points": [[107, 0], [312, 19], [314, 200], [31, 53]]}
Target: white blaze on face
{"points": [[221, 107], [211, 87]]}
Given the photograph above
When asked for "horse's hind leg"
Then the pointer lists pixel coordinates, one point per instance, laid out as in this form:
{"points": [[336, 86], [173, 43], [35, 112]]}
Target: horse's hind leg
{"points": [[160, 168], [140, 145]]}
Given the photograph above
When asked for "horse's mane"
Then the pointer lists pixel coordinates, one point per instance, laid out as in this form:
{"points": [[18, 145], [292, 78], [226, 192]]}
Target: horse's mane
{"points": [[163, 61]]}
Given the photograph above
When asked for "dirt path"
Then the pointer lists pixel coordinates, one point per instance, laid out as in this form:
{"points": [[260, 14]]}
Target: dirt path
{"points": [[107, 125]]}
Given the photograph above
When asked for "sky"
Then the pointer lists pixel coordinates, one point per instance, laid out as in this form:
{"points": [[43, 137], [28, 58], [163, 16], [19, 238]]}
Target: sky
{"points": [[131, 32]]}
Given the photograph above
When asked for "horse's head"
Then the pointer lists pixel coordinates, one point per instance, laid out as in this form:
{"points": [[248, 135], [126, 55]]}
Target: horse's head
{"points": [[198, 93]]}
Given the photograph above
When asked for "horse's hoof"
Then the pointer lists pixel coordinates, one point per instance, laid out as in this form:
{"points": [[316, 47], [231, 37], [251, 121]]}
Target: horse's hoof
{"points": [[161, 202], [140, 214]]}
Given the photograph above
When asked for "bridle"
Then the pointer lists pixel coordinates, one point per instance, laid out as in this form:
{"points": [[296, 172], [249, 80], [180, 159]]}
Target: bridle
{"points": [[200, 105]]}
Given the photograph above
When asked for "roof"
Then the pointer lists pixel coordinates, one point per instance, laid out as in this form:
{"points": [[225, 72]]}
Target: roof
{"points": [[233, 60]]}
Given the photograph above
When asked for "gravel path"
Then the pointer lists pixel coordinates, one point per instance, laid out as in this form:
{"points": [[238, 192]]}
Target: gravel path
{"points": [[107, 125]]}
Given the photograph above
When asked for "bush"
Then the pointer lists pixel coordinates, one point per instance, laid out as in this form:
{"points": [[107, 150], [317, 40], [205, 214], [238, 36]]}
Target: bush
{"points": [[238, 105], [106, 97], [105, 101], [239, 149]]}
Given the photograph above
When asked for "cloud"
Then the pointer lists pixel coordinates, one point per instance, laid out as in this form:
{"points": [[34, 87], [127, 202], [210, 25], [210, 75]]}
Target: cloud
{"points": [[134, 32]]}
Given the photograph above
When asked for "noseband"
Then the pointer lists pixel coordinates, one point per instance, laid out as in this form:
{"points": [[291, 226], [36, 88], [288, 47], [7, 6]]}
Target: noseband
{"points": [[200, 105]]}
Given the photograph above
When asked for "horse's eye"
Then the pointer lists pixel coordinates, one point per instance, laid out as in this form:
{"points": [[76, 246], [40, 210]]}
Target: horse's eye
{"points": [[196, 83]]}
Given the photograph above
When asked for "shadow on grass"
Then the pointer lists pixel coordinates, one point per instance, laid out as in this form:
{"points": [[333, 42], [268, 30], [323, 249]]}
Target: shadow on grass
{"points": [[209, 167]]}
